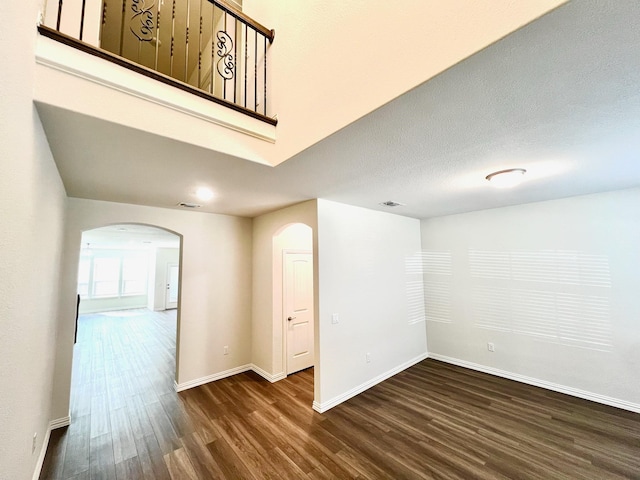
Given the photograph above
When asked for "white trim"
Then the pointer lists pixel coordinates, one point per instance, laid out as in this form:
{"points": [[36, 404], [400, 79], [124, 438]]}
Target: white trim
{"points": [[324, 406], [60, 422], [43, 453], [179, 387], [53, 424], [43, 59], [266, 375], [594, 397]]}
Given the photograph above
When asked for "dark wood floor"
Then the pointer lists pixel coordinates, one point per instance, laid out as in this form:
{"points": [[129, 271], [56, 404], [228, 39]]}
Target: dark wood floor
{"points": [[430, 421]]}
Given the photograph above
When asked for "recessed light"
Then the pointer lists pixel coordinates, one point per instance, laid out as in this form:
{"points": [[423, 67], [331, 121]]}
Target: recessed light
{"points": [[507, 178], [189, 205], [391, 203], [205, 194]]}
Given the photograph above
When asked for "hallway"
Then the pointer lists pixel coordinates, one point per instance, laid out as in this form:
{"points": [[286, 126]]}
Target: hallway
{"points": [[123, 367]]}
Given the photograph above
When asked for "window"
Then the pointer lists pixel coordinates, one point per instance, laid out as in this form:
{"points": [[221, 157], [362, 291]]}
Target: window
{"points": [[84, 276], [112, 273], [106, 277], [134, 276]]}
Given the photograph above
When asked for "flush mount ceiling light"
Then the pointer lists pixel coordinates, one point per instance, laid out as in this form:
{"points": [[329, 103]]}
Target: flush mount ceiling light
{"points": [[205, 194], [507, 178]]}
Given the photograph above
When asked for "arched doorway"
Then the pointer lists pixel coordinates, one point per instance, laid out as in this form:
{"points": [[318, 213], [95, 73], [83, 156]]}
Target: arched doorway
{"points": [[293, 295], [125, 352]]}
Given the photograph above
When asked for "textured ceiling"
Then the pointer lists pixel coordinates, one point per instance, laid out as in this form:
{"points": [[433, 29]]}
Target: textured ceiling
{"points": [[559, 97]]}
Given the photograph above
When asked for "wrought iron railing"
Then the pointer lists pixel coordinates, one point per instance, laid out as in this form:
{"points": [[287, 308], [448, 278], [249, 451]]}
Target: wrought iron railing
{"points": [[207, 45]]}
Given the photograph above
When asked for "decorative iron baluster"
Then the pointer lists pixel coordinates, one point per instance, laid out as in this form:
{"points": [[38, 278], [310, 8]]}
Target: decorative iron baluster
{"points": [[186, 48], [141, 23], [59, 15], [246, 61], [124, 11], [255, 71], [157, 37], [225, 64], [84, 4], [173, 35], [265, 75], [224, 84], [235, 54], [200, 50], [213, 26]]}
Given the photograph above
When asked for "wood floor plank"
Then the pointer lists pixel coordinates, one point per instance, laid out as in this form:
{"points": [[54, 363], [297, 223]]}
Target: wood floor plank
{"points": [[179, 465], [203, 462], [129, 469], [124, 446], [102, 463], [76, 458], [230, 463], [432, 420], [151, 458]]}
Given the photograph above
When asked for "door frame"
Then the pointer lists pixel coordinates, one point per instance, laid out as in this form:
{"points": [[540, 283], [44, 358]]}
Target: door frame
{"points": [[285, 323], [168, 265]]}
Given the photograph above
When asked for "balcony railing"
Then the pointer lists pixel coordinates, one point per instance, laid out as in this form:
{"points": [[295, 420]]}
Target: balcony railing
{"points": [[206, 47]]}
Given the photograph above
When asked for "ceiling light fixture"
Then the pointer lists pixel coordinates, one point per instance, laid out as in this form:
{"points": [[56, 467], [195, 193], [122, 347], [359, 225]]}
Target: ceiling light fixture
{"points": [[507, 178], [205, 194]]}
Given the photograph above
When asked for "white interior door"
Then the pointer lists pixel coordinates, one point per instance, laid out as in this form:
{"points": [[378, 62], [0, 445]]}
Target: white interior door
{"points": [[171, 295], [298, 310]]}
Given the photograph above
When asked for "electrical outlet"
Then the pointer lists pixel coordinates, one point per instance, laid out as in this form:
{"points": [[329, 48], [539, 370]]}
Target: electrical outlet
{"points": [[226, 350], [335, 318], [34, 442], [491, 347], [368, 357]]}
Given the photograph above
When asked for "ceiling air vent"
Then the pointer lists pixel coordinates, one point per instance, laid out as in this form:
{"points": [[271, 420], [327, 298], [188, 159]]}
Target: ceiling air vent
{"points": [[189, 205], [390, 203]]}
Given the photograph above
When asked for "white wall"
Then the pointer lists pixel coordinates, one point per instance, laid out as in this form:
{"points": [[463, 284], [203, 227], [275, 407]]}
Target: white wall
{"points": [[267, 330], [215, 291], [554, 285], [32, 201], [366, 275]]}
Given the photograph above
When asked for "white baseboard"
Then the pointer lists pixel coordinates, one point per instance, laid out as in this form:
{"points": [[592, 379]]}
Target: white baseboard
{"points": [[53, 424], [211, 378], [324, 406], [179, 387], [60, 422], [266, 375], [594, 397], [43, 453]]}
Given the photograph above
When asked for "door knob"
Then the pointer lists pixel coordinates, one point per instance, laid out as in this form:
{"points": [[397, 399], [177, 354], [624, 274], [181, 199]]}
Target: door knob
{"points": [[291, 318]]}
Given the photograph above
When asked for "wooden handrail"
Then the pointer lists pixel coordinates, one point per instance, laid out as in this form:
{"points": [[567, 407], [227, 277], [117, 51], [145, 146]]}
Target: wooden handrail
{"points": [[123, 62], [234, 12]]}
